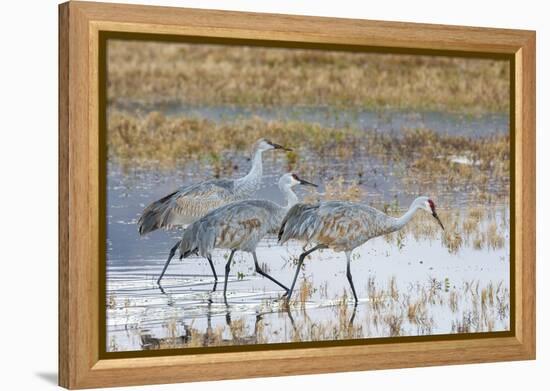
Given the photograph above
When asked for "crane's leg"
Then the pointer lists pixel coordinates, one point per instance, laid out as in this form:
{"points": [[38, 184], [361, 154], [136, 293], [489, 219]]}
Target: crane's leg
{"points": [[209, 257], [170, 256], [227, 270], [300, 261], [228, 319], [289, 313], [260, 271], [348, 274], [352, 318]]}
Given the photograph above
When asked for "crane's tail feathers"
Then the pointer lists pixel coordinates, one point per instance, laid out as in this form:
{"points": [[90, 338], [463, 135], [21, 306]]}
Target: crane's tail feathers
{"points": [[198, 239], [152, 217], [188, 243]]}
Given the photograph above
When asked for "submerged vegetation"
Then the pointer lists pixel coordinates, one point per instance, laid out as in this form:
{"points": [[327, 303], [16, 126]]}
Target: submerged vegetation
{"points": [[153, 73], [489, 230], [389, 312]]}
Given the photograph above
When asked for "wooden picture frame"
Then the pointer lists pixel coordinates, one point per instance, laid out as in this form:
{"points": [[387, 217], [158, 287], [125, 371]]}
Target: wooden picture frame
{"points": [[81, 160]]}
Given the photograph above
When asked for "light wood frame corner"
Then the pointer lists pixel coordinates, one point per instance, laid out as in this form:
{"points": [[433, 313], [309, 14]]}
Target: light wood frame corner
{"points": [[80, 25]]}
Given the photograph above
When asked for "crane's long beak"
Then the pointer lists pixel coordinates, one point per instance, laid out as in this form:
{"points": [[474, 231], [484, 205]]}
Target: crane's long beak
{"points": [[438, 220], [306, 183], [278, 146]]}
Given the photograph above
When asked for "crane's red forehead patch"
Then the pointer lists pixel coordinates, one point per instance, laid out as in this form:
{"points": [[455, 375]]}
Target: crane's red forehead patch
{"points": [[432, 205]]}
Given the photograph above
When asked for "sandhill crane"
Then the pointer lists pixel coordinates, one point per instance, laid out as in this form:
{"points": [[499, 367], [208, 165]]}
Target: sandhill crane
{"points": [[188, 203], [238, 226], [343, 226]]}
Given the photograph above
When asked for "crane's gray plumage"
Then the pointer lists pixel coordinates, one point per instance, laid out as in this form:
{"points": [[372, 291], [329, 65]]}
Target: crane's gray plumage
{"points": [[339, 225], [188, 203], [238, 226], [343, 226]]}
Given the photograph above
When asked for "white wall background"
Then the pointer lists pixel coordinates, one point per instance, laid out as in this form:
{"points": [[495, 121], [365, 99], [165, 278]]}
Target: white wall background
{"points": [[28, 193]]}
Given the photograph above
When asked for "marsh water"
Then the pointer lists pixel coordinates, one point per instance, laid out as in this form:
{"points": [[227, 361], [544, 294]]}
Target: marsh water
{"points": [[408, 284]]}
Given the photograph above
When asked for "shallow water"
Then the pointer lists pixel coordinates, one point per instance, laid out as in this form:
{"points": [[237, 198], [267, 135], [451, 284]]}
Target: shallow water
{"points": [[470, 125], [458, 292]]}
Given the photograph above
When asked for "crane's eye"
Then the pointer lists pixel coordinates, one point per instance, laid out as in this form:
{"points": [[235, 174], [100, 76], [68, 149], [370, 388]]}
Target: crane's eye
{"points": [[432, 205]]}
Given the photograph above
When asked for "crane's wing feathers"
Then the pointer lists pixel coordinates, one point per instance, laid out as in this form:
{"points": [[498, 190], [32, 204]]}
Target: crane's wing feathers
{"points": [[186, 204], [150, 217], [340, 222], [235, 225], [299, 222], [194, 201], [333, 223]]}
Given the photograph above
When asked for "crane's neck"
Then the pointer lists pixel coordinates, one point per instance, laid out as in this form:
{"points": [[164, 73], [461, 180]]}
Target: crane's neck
{"points": [[251, 181], [291, 198], [281, 210], [400, 222]]}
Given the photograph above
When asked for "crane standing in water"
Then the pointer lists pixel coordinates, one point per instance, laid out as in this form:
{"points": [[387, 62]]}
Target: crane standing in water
{"points": [[239, 226], [188, 203], [343, 226]]}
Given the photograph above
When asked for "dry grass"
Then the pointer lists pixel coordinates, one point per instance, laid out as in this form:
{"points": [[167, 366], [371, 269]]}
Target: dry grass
{"points": [[337, 189], [305, 292], [154, 140], [471, 307], [156, 73], [420, 158], [427, 158]]}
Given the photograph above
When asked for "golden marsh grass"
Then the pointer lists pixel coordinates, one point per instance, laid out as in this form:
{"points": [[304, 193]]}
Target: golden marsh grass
{"points": [[156, 73], [473, 307], [426, 157]]}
